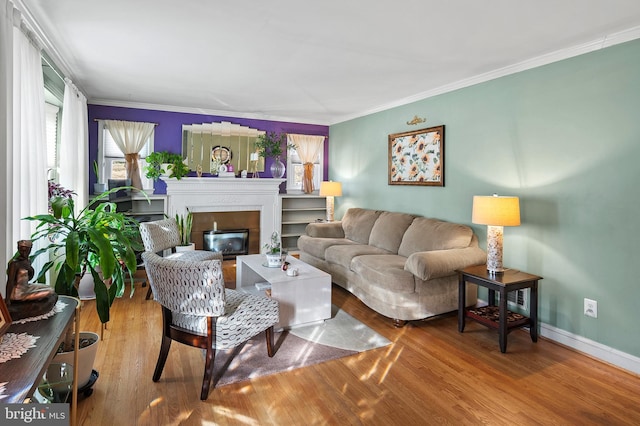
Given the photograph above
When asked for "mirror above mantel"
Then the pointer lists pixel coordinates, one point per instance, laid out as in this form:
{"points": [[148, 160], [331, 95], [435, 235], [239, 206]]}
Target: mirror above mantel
{"points": [[228, 143]]}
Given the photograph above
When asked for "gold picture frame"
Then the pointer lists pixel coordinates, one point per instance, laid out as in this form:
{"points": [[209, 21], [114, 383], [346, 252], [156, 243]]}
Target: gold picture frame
{"points": [[417, 157], [5, 317]]}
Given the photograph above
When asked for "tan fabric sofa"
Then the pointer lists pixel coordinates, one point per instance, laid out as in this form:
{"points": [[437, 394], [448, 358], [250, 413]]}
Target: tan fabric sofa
{"points": [[401, 265]]}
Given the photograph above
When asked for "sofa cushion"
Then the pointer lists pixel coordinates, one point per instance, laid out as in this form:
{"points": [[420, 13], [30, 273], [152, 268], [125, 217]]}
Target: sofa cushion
{"points": [[317, 246], [357, 224], [386, 271], [388, 230], [343, 254], [426, 234]]}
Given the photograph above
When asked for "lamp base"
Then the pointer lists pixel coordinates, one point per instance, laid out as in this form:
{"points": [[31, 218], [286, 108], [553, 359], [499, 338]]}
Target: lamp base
{"points": [[494, 249]]}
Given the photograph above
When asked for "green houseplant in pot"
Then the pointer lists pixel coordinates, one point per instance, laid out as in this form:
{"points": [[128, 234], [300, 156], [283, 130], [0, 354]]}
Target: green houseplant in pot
{"points": [[164, 163], [79, 243], [273, 251], [185, 224], [270, 144]]}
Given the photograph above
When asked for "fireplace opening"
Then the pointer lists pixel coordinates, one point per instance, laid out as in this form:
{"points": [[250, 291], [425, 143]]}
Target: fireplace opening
{"points": [[230, 243]]}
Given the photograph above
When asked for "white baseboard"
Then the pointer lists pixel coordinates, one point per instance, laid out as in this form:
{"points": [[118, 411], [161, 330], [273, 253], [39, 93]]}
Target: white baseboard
{"points": [[592, 348]]}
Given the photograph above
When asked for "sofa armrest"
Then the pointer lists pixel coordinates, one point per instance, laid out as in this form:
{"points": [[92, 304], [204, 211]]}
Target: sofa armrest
{"points": [[325, 230], [427, 265]]}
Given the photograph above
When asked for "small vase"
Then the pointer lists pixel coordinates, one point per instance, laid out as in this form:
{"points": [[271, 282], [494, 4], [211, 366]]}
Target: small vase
{"points": [[277, 168]]}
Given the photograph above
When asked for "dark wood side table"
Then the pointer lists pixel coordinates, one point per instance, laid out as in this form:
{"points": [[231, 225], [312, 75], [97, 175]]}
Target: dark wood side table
{"points": [[23, 374], [499, 317]]}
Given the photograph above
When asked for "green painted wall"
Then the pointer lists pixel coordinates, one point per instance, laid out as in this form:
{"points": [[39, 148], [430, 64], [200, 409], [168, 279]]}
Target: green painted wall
{"points": [[565, 139]]}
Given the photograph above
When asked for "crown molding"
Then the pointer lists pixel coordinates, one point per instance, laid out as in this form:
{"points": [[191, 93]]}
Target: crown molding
{"points": [[203, 111], [549, 58]]}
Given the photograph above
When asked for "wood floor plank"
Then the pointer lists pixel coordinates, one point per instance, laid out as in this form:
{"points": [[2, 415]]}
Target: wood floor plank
{"points": [[430, 374]]}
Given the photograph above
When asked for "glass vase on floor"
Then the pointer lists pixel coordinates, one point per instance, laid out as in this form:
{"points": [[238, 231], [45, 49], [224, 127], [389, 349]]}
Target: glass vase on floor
{"points": [[277, 168], [307, 179]]}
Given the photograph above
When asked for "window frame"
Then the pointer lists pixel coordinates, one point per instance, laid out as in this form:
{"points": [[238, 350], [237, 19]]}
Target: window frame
{"points": [[293, 160], [104, 161]]}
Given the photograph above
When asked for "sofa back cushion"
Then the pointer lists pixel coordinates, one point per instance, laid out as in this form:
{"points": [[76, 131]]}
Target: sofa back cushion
{"points": [[388, 230], [357, 224], [426, 234]]}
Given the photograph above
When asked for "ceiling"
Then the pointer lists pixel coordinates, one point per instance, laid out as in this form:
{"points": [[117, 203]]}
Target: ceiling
{"points": [[317, 62]]}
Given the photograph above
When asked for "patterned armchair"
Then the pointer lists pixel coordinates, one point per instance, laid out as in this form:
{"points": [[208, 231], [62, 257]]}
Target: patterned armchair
{"points": [[198, 311], [161, 235]]}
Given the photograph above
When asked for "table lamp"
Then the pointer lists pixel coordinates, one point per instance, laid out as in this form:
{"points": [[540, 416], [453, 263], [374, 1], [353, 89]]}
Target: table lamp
{"points": [[330, 189], [495, 212]]}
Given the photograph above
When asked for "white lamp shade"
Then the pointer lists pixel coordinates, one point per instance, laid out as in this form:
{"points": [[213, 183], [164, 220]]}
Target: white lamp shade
{"points": [[496, 211], [330, 188]]}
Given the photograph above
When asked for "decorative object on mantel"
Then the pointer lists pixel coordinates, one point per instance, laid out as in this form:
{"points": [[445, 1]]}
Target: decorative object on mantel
{"points": [[495, 212], [308, 148], [416, 120], [330, 190], [25, 299], [417, 157], [270, 144], [254, 156]]}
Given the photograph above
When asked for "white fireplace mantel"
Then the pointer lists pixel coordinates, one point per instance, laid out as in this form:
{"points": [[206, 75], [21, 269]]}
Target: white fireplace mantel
{"points": [[210, 195]]}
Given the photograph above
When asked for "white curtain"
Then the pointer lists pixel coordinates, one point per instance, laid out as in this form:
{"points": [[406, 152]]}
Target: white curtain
{"points": [[130, 137], [27, 167], [74, 142], [7, 246], [308, 148]]}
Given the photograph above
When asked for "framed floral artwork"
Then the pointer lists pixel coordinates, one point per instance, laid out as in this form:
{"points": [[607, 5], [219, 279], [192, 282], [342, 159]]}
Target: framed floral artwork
{"points": [[417, 157]]}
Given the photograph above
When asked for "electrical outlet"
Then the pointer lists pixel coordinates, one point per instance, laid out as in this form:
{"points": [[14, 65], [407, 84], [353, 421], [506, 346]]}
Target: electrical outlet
{"points": [[590, 308]]}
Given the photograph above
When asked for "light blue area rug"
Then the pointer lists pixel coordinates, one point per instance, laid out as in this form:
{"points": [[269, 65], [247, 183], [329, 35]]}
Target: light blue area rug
{"points": [[342, 331], [341, 335]]}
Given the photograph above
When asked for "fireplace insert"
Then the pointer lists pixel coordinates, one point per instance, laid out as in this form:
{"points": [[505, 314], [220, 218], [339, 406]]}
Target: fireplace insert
{"points": [[230, 243]]}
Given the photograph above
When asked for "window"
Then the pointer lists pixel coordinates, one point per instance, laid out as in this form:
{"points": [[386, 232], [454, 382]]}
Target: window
{"points": [[111, 162], [53, 97], [295, 171], [52, 115]]}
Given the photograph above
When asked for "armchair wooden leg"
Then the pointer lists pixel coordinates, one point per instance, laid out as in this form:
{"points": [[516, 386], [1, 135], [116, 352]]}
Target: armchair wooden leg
{"points": [[162, 357], [209, 358], [270, 345]]}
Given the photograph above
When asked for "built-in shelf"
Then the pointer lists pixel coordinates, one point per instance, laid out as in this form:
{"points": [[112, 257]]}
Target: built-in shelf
{"points": [[298, 210]]}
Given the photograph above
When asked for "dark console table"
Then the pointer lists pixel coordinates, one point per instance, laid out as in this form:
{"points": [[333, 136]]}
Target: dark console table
{"points": [[25, 373], [499, 317]]}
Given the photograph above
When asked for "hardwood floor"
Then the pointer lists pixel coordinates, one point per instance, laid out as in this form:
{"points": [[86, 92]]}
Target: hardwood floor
{"points": [[430, 374]]}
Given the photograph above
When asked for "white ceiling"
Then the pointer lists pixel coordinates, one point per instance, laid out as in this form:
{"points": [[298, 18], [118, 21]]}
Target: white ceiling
{"points": [[317, 62]]}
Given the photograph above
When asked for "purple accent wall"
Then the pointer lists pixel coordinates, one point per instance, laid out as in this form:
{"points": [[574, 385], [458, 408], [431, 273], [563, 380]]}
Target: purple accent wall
{"points": [[168, 134]]}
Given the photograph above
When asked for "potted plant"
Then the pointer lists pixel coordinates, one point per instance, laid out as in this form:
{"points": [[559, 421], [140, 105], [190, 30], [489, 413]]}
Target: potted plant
{"points": [[164, 163], [273, 251], [98, 187], [185, 224], [269, 144], [97, 236]]}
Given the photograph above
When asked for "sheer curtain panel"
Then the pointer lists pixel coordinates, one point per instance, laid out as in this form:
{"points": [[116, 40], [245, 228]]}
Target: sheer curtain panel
{"points": [[130, 137], [27, 167], [6, 130], [74, 142], [308, 147]]}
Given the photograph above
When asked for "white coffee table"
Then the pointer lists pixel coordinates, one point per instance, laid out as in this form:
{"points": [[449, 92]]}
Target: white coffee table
{"points": [[303, 299]]}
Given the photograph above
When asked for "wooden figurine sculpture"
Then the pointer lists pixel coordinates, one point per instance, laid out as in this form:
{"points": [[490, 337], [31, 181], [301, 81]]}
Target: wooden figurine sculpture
{"points": [[26, 299]]}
